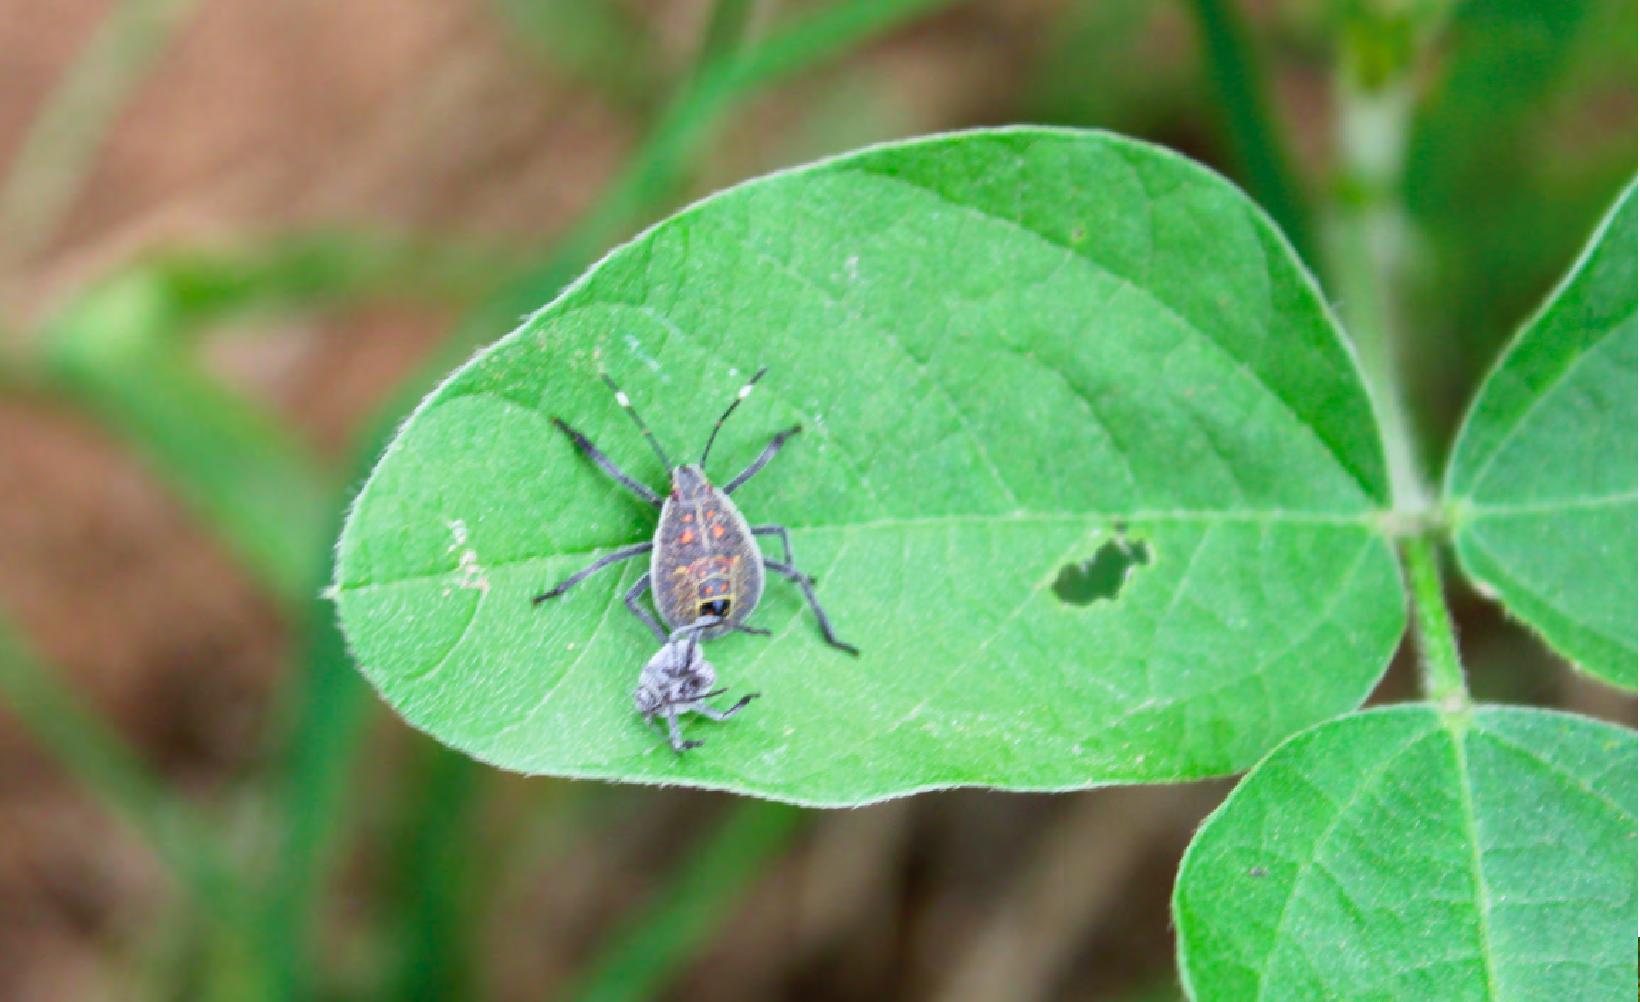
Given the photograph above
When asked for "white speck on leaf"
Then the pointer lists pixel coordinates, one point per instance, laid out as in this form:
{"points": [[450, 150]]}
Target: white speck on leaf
{"points": [[472, 573]]}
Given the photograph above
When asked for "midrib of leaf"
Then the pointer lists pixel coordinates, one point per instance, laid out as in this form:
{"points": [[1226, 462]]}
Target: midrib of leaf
{"points": [[874, 728], [1229, 492], [896, 524], [1456, 725], [1461, 814], [1120, 282], [1507, 509]]}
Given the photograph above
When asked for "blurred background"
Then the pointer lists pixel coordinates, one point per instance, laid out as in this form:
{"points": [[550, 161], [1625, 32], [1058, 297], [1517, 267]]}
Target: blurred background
{"points": [[238, 239]]}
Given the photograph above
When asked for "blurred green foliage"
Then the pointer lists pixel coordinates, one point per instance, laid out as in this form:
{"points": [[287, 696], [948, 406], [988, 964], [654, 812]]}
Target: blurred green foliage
{"points": [[1525, 131]]}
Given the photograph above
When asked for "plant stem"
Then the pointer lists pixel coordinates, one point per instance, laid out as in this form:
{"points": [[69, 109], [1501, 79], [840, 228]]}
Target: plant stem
{"points": [[1255, 140], [1443, 677], [1367, 242], [1382, 45]]}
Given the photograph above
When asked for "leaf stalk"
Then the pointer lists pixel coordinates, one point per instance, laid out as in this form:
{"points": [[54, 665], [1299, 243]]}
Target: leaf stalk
{"points": [[1443, 677]]}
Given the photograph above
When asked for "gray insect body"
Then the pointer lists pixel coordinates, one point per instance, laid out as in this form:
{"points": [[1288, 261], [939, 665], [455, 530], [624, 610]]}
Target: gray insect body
{"points": [[705, 562], [678, 680]]}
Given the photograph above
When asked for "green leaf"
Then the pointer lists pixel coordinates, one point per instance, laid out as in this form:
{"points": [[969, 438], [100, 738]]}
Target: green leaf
{"points": [[1004, 348], [1542, 480], [1397, 854]]}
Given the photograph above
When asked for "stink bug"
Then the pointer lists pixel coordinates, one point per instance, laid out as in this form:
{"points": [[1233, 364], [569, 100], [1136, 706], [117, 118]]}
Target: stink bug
{"points": [[704, 560], [676, 681]]}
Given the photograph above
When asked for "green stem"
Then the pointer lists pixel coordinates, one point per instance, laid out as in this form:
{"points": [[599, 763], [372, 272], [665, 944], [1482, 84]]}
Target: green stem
{"points": [[56, 153], [1443, 677], [1380, 51], [1255, 139], [1382, 46], [95, 756], [1367, 245], [706, 884]]}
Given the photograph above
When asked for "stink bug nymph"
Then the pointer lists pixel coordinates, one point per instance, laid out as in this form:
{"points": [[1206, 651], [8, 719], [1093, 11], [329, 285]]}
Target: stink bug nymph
{"points": [[678, 680], [704, 559]]}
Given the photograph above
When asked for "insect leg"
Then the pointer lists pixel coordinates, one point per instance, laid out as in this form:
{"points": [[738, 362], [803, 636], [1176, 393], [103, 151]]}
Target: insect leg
{"points": [[707, 711], [606, 464], [802, 581], [753, 630], [763, 459], [780, 532], [624, 553], [678, 744], [703, 623], [632, 595]]}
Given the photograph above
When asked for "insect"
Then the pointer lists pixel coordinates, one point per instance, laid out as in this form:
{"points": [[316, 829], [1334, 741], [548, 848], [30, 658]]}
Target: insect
{"points": [[704, 560], [678, 680]]}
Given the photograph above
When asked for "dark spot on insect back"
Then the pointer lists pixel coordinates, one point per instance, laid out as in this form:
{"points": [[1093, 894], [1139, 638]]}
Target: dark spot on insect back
{"points": [[1102, 575]]}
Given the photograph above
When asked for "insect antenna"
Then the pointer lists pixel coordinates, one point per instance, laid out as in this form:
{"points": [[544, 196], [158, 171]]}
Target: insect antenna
{"points": [[745, 391], [626, 405]]}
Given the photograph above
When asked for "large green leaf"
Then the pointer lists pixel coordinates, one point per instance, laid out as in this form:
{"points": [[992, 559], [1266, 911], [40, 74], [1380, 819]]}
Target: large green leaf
{"points": [[1542, 480], [1003, 346], [1397, 854]]}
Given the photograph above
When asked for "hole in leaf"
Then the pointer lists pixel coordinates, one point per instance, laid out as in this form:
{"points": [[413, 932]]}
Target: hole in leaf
{"points": [[1102, 575]]}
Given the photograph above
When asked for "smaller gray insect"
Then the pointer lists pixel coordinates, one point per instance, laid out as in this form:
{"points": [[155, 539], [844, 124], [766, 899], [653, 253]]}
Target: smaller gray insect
{"points": [[678, 680]]}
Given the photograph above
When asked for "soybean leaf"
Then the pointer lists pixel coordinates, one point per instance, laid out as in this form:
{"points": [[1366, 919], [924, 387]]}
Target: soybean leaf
{"points": [[1007, 349], [1397, 854], [1542, 480]]}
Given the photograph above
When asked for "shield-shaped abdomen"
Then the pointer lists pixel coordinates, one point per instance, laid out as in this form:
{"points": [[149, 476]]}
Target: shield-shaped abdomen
{"points": [[705, 563]]}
